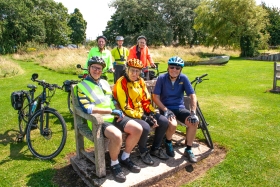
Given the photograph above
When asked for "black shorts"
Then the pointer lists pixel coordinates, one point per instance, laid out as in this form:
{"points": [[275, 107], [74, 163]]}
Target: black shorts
{"points": [[120, 125], [181, 114]]}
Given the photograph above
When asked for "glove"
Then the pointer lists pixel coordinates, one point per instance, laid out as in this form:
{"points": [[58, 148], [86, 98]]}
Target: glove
{"points": [[193, 118], [168, 114], [117, 112], [149, 119]]}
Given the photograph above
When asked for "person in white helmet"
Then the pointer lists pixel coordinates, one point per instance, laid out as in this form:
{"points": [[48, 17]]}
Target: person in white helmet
{"points": [[120, 54]]}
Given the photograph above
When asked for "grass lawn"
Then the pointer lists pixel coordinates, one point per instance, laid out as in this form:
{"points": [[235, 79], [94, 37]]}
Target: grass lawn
{"points": [[243, 117]]}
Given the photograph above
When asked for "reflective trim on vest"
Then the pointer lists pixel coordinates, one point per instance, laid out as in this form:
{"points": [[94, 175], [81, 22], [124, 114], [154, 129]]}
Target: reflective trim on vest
{"points": [[97, 96]]}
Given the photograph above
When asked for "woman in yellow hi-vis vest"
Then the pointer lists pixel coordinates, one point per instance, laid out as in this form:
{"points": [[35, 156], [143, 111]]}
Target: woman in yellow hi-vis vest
{"points": [[95, 96]]}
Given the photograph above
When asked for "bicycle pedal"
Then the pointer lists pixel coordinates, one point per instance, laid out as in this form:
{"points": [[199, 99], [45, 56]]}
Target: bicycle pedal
{"points": [[19, 138]]}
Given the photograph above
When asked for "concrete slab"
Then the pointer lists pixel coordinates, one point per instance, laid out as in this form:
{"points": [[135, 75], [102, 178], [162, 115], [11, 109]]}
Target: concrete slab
{"points": [[148, 174]]}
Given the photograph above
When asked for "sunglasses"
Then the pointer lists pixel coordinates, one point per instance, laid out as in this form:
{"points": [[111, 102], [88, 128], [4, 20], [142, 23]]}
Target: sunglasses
{"points": [[176, 67]]}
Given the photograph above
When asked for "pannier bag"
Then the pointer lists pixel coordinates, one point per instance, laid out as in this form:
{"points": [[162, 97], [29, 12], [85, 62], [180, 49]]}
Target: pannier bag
{"points": [[67, 85], [17, 100]]}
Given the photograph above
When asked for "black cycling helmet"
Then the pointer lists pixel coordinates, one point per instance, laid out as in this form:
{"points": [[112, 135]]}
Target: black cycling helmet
{"points": [[118, 38], [98, 37], [96, 60], [142, 37]]}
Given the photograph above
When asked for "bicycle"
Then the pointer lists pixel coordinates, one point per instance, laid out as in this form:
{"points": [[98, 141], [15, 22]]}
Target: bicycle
{"points": [[202, 122], [67, 88], [151, 73], [44, 127]]}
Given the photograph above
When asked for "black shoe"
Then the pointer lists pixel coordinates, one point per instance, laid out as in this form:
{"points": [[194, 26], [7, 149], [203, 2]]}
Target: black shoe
{"points": [[117, 173], [130, 165], [160, 154], [146, 158], [169, 149], [190, 156]]}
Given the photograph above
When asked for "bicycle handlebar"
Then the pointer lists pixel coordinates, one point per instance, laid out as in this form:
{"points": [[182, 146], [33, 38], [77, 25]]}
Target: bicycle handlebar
{"points": [[44, 84], [199, 79], [80, 67]]}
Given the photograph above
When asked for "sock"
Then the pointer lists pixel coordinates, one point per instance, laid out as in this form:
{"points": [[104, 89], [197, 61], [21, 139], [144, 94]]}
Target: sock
{"points": [[125, 155], [189, 147], [114, 162], [167, 141]]}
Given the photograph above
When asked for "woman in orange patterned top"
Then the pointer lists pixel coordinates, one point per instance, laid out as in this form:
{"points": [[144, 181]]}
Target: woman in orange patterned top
{"points": [[134, 100]]}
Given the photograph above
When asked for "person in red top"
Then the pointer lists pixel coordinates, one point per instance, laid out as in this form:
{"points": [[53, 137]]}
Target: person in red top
{"points": [[141, 52]]}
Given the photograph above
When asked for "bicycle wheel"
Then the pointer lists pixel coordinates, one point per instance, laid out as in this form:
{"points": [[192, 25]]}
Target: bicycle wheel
{"points": [[69, 102], [47, 139], [24, 114], [203, 126]]}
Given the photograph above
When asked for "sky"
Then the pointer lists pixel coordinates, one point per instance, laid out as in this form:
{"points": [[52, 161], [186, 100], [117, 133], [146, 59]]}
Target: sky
{"points": [[97, 13]]}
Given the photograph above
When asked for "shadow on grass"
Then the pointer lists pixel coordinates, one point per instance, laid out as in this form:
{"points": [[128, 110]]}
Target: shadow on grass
{"points": [[18, 150], [68, 118], [42, 178]]}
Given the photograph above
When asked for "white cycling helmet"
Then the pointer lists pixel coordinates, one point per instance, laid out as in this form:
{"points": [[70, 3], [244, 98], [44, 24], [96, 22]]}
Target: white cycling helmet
{"points": [[119, 38]]}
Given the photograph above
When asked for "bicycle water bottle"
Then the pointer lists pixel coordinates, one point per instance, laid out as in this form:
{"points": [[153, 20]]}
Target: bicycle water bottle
{"points": [[34, 106]]}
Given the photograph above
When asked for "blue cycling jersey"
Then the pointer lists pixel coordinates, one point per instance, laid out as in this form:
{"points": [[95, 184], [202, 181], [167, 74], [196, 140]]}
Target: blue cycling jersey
{"points": [[172, 95]]}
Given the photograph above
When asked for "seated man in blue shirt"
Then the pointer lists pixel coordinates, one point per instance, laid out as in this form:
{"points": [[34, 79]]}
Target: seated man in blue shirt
{"points": [[169, 97]]}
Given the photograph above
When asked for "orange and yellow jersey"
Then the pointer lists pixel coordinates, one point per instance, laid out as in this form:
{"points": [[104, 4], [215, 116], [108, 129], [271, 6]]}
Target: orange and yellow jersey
{"points": [[133, 97]]}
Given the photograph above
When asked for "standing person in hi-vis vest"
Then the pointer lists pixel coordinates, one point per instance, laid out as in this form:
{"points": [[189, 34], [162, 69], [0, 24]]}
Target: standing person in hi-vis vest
{"points": [[95, 96], [119, 53], [104, 53]]}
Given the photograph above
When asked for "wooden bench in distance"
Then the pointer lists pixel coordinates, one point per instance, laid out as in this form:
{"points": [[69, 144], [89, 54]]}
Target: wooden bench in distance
{"points": [[276, 77]]}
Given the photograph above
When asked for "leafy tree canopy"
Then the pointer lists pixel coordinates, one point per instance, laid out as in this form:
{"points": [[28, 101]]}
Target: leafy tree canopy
{"points": [[161, 21], [40, 21], [233, 23], [274, 24], [78, 25]]}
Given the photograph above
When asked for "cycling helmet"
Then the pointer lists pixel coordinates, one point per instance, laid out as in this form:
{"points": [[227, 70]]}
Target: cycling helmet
{"points": [[96, 60], [142, 37], [98, 37], [119, 38], [134, 62], [176, 61]]}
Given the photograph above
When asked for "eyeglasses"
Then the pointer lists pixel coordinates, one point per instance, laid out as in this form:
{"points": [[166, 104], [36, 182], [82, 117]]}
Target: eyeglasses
{"points": [[137, 71], [96, 68], [176, 67]]}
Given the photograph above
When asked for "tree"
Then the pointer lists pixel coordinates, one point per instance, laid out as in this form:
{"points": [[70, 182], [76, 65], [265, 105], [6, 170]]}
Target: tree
{"points": [[162, 21], [55, 17], [232, 23], [39, 21], [78, 26], [274, 24], [19, 23]]}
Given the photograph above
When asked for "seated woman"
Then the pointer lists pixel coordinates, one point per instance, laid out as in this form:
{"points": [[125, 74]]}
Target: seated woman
{"points": [[133, 98]]}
